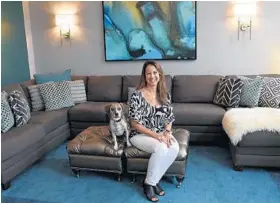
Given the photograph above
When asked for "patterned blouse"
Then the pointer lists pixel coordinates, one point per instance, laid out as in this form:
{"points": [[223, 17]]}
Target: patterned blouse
{"points": [[151, 117]]}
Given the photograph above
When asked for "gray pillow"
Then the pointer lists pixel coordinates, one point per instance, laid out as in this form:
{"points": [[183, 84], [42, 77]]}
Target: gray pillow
{"points": [[270, 95], [20, 107], [78, 91], [7, 117], [130, 90], [251, 91], [37, 102], [56, 95]]}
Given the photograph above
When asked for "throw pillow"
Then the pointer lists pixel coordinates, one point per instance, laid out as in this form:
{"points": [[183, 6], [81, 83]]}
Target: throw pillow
{"points": [[228, 92], [20, 107], [78, 91], [251, 91], [130, 90], [7, 117], [37, 102], [53, 77], [56, 95], [270, 94]]}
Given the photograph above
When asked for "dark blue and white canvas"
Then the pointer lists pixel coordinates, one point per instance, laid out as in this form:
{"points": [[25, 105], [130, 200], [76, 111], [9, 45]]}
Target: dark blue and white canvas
{"points": [[141, 30]]}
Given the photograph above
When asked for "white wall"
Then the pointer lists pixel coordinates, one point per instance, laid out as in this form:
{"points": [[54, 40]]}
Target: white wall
{"points": [[218, 51]]}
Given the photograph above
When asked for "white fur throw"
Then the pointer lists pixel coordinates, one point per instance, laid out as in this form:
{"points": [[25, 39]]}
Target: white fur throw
{"points": [[240, 121]]}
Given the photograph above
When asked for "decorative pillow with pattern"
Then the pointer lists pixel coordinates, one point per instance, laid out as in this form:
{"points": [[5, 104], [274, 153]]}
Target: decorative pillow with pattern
{"points": [[130, 90], [270, 94], [20, 107], [56, 95], [228, 92], [251, 91], [78, 91], [37, 102], [7, 117]]}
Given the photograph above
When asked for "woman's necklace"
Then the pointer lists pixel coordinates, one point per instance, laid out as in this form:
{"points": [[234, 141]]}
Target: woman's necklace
{"points": [[153, 96]]}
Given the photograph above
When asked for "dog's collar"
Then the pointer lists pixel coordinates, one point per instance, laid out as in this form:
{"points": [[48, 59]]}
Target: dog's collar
{"points": [[118, 120]]}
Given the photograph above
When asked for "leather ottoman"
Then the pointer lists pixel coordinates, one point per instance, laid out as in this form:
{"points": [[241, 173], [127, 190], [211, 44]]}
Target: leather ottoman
{"points": [[93, 150], [137, 160]]}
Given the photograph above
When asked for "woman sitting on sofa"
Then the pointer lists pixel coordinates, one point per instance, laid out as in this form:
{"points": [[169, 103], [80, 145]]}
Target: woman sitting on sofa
{"points": [[151, 116]]}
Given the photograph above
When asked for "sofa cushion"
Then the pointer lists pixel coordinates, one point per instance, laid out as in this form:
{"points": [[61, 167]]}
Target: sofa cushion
{"points": [[53, 77], [194, 88], [134, 80], [24, 86], [51, 120], [104, 88], [228, 92], [18, 139], [197, 114], [270, 94], [20, 107], [78, 91], [7, 117], [56, 95], [89, 112], [251, 91]]}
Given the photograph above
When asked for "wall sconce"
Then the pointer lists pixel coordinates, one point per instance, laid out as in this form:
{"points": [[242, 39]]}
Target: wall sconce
{"points": [[244, 11], [65, 22]]}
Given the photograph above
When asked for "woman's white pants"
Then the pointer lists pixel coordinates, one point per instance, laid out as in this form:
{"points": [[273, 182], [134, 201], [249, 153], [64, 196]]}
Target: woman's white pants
{"points": [[162, 156]]}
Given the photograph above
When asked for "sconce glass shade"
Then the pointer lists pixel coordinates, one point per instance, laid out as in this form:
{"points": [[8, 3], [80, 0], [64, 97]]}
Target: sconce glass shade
{"points": [[245, 9], [64, 20]]}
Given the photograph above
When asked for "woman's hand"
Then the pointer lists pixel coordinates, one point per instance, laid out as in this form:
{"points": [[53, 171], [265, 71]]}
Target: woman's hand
{"points": [[168, 137]]}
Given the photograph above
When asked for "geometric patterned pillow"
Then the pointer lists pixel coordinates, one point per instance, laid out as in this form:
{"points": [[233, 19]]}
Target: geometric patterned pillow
{"points": [[78, 91], [228, 92], [7, 117], [251, 91], [56, 95], [20, 107], [130, 90], [270, 95]]}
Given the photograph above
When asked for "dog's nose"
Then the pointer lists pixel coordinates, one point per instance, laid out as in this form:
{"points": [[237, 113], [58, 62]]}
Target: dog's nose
{"points": [[116, 114]]}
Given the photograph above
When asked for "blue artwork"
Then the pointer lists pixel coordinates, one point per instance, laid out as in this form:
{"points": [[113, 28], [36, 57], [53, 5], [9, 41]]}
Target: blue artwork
{"points": [[142, 30]]}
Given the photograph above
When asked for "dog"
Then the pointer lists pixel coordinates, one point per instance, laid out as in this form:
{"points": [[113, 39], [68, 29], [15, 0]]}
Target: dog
{"points": [[118, 124]]}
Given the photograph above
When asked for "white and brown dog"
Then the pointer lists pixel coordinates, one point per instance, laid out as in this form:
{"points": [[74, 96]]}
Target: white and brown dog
{"points": [[118, 124]]}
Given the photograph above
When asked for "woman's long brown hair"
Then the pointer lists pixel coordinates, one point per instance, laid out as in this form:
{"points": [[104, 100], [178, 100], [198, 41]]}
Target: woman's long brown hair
{"points": [[161, 86]]}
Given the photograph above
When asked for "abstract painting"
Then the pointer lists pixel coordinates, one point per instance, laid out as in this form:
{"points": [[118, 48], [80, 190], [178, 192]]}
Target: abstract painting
{"points": [[142, 30]]}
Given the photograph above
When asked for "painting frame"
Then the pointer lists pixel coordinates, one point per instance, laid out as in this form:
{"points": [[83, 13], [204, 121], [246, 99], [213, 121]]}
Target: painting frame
{"points": [[192, 58]]}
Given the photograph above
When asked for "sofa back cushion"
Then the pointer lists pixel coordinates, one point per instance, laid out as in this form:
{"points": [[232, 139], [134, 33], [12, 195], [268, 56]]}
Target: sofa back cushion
{"points": [[134, 80], [104, 88], [194, 88]]}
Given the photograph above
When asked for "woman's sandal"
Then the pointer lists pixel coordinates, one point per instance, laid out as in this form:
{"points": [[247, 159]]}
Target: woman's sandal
{"points": [[159, 191], [149, 192]]}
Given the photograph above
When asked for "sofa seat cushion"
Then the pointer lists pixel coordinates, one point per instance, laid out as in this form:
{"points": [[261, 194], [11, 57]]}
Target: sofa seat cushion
{"points": [[198, 114], [260, 139], [182, 136], [89, 112], [20, 138], [51, 120]]}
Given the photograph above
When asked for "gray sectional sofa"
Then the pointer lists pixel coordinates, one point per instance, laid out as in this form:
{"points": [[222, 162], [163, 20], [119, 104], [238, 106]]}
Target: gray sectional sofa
{"points": [[192, 98]]}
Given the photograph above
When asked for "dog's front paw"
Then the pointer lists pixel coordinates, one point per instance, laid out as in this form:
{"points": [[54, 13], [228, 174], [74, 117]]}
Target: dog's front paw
{"points": [[115, 147]]}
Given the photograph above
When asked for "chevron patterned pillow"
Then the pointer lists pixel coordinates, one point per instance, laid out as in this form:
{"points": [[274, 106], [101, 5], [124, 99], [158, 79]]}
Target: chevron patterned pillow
{"points": [[270, 95], [228, 92], [20, 107]]}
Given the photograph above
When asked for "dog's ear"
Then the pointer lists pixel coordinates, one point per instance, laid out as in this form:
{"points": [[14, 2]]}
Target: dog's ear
{"points": [[125, 108], [107, 109]]}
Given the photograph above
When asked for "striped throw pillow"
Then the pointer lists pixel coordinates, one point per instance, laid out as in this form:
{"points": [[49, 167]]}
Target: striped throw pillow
{"points": [[37, 102], [78, 91]]}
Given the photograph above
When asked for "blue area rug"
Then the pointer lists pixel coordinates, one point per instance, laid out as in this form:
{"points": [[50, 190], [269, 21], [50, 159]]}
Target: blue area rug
{"points": [[210, 178]]}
